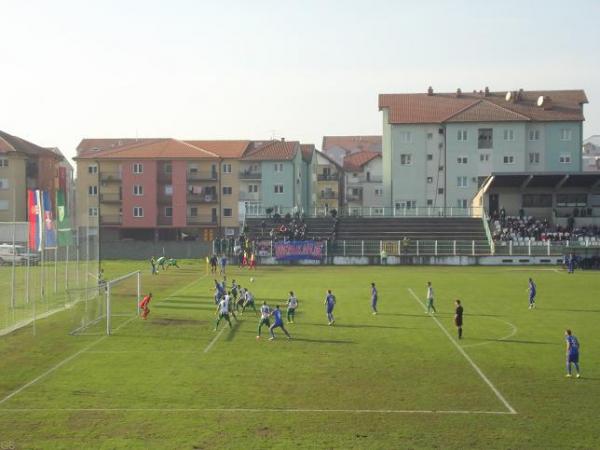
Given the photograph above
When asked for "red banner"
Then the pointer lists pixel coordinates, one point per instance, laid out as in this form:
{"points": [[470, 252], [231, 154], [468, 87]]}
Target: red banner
{"points": [[33, 214]]}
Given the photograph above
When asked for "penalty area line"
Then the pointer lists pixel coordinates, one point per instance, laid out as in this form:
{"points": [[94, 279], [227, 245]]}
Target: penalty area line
{"points": [[487, 381], [213, 342], [262, 410]]}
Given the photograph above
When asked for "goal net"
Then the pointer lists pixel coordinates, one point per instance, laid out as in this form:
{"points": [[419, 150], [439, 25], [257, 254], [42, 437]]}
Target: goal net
{"points": [[106, 306]]}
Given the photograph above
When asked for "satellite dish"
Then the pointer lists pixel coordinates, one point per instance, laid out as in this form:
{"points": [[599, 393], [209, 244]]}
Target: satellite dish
{"points": [[540, 100], [508, 96]]}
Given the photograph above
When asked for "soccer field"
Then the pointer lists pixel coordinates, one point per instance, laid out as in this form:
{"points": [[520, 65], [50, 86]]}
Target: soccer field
{"points": [[399, 379]]}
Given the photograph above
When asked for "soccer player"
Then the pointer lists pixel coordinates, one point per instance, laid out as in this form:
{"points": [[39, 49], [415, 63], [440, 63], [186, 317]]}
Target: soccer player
{"points": [[329, 305], [430, 306], [213, 264], [172, 262], [219, 291], [223, 264], [458, 318], [374, 298], [153, 264], [571, 263], [223, 312], [252, 261], [572, 352], [292, 304], [234, 293], [276, 313], [265, 313], [160, 262], [532, 292], [248, 302], [144, 306]]}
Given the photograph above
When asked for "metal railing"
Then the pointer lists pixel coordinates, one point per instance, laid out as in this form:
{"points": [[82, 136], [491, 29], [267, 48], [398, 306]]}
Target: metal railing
{"points": [[329, 195], [202, 176], [374, 211], [110, 220], [164, 220], [202, 198], [110, 176], [328, 177], [250, 175], [110, 198], [201, 219]]}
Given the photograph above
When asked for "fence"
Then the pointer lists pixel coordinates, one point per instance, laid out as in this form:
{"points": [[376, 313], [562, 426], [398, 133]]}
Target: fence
{"points": [[257, 211], [35, 283]]}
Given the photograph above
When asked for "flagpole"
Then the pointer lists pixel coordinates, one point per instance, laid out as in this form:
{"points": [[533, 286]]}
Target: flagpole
{"points": [[14, 253], [28, 262], [41, 243]]}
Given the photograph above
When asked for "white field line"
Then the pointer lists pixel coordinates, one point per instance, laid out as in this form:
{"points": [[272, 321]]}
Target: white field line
{"points": [[257, 410], [215, 339], [513, 327], [80, 352], [487, 381]]}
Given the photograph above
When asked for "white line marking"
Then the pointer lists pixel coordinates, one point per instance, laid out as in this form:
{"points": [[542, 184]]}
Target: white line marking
{"points": [[215, 339], [258, 410], [513, 327], [80, 352], [467, 357]]}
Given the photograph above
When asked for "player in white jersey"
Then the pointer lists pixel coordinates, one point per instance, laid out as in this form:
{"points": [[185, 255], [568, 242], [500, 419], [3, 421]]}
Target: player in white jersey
{"points": [[292, 304], [249, 302], [265, 313], [223, 311], [430, 306]]}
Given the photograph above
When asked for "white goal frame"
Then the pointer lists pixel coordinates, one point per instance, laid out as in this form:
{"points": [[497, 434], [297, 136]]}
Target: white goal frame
{"points": [[108, 287]]}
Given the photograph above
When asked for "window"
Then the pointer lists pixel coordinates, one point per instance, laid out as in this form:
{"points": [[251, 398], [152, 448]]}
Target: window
{"points": [[429, 157], [429, 202], [509, 159], [378, 192], [193, 211], [408, 204], [168, 168], [406, 159], [278, 167], [485, 138], [168, 211], [168, 189], [509, 134], [227, 212], [92, 169], [227, 190], [278, 188], [534, 135], [405, 137], [462, 160], [462, 181], [3, 183], [461, 135], [565, 158], [93, 190], [227, 168], [534, 158], [93, 212], [3, 205], [484, 157], [566, 134], [440, 191], [462, 203], [138, 168], [138, 211], [253, 188], [138, 189], [429, 180], [429, 135], [537, 200], [571, 200]]}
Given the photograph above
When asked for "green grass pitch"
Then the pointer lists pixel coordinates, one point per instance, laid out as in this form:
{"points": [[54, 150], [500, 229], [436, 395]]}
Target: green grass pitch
{"points": [[399, 379]]}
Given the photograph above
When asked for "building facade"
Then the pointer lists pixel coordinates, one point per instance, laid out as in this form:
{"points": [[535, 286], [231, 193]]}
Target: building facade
{"points": [[328, 181], [363, 184], [439, 148]]}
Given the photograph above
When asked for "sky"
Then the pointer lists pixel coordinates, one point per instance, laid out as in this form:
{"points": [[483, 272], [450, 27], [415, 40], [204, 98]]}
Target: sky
{"points": [[259, 69]]}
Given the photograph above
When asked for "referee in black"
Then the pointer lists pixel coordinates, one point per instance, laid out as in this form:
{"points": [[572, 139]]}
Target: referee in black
{"points": [[458, 318]]}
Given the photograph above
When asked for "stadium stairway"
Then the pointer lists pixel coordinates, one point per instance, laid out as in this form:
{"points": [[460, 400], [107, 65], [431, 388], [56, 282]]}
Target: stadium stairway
{"points": [[316, 227]]}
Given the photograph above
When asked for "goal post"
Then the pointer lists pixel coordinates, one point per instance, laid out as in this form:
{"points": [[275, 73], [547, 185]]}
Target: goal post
{"points": [[102, 308]]}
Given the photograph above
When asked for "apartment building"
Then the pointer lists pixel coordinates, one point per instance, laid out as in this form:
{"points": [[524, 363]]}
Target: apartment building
{"points": [[439, 147], [363, 184], [338, 147], [328, 182], [23, 166]]}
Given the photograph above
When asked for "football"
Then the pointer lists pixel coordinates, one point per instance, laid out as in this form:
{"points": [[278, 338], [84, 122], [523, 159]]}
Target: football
{"points": [[251, 279]]}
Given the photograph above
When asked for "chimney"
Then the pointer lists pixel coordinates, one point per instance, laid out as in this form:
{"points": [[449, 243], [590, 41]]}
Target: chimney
{"points": [[430, 91], [458, 92], [519, 95], [282, 139], [486, 91]]}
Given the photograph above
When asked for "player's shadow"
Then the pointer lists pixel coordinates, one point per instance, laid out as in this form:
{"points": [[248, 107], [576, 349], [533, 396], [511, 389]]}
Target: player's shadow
{"points": [[196, 307], [233, 330], [360, 326], [322, 341], [573, 310], [401, 314], [190, 302], [517, 341]]}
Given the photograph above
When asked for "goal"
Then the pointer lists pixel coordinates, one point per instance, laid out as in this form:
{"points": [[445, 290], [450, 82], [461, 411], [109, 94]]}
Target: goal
{"points": [[104, 307]]}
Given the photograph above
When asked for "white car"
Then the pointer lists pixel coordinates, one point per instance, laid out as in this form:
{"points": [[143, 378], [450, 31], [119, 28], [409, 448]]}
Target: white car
{"points": [[18, 254]]}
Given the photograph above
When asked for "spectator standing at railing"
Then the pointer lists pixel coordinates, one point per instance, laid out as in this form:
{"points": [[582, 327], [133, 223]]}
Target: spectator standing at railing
{"points": [[502, 216], [383, 256]]}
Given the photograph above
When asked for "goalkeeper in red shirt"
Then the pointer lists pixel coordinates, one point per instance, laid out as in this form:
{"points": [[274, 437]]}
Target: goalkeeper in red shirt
{"points": [[144, 306]]}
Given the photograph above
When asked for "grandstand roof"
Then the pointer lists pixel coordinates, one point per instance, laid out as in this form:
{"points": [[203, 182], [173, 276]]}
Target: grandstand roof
{"points": [[554, 180]]}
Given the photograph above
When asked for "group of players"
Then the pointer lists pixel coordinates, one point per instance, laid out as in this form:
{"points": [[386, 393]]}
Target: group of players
{"points": [[236, 299]]}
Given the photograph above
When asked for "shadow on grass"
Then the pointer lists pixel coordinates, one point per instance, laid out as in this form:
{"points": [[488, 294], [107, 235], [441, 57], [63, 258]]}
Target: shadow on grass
{"points": [[401, 314], [517, 341], [189, 302], [360, 326], [321, 341], [233, 331], [196, 307], [573, 310]]}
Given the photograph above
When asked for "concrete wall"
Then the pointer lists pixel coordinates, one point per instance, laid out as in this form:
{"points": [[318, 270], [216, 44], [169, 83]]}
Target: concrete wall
{"points": [[145, 250]]}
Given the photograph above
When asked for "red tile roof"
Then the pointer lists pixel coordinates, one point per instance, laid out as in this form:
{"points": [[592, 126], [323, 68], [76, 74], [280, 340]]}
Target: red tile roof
{"points": [[329, 159], [10, 143], [353, 143], [273, 151], [356, 161], [224, 148], [307, 151], [95, 145], [152, 149], [445, 107]]}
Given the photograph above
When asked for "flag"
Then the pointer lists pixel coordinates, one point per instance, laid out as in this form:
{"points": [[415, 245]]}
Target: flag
{"points": [[33, 214], [62, 220], [49, 228]]}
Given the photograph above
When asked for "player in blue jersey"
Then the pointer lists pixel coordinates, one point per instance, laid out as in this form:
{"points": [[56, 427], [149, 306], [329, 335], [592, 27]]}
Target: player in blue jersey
{"points": [[532, 293], [373, 298], [572, 352], [571, 260], [219, 291], [276, 313], [329, 305]]}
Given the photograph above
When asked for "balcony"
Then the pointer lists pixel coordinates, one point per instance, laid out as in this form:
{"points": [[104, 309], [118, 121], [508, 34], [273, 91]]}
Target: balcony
{"points": [[164, 177], [250, 175], [164, 199], [328, 177], [328, 195], [163, 220], [250, 196], [111, 220], [202, 219], [108, 177], [202, 198], [202, 176], [354, 197], [110, 198]]}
